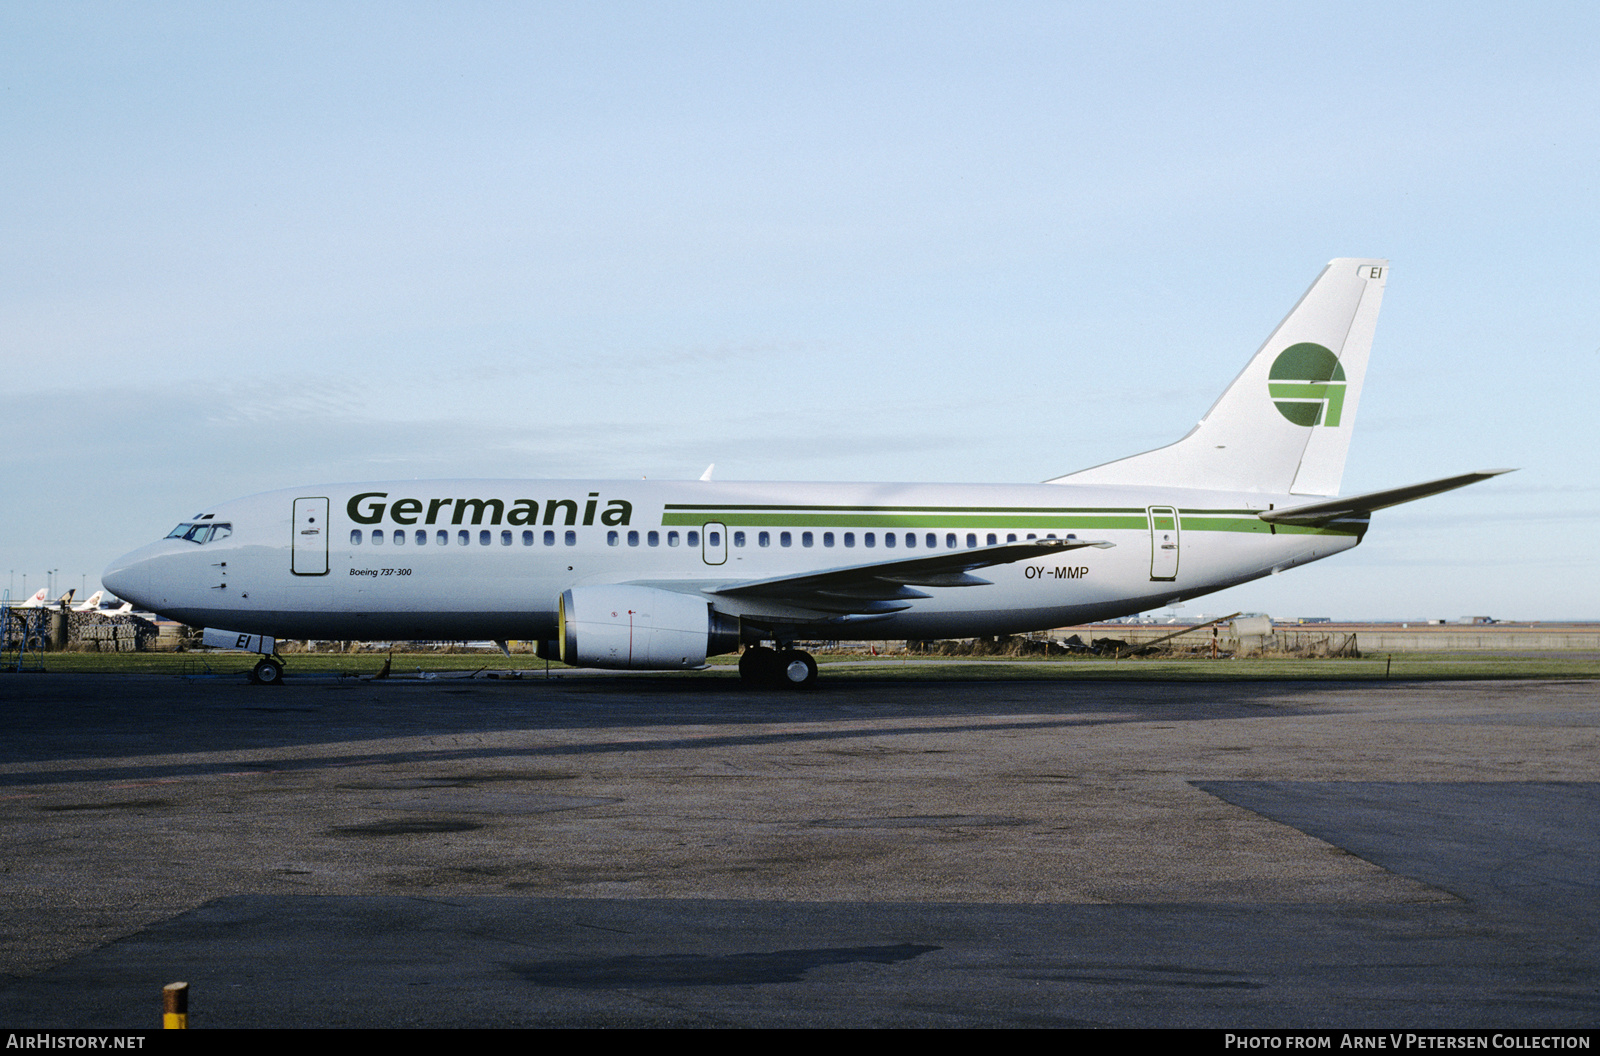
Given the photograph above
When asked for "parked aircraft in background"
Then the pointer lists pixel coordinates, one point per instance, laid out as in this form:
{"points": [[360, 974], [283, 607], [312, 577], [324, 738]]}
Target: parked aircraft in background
{"points": [[40, 600], [660, 575], [93, 604]]}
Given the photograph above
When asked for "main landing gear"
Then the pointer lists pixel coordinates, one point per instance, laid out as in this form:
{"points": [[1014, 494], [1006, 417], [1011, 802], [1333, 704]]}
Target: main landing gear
{"points": [[787, 667]]}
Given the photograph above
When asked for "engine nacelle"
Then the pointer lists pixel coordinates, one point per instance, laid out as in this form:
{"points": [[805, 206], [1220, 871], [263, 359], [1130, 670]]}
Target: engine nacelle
{"points": [[641, 628]]}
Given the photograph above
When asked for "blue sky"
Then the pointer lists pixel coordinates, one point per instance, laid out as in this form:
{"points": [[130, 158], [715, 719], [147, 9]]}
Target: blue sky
{"points": [[250, 246]]}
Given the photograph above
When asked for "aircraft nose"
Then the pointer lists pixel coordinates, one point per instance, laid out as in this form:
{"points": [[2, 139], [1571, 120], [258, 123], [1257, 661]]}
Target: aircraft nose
{"points": [[128, 578]]}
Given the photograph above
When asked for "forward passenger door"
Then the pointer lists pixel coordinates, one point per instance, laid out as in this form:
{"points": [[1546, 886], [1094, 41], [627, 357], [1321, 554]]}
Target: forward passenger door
{"points": [[308, 546]]}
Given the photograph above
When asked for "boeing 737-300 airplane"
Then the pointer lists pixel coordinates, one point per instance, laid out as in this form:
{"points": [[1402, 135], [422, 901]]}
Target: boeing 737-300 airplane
{"points": [[660, 575]]}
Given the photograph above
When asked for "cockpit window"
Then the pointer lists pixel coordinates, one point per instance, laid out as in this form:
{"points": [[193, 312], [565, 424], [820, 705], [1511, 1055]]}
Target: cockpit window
{"points": [[200, 533]]}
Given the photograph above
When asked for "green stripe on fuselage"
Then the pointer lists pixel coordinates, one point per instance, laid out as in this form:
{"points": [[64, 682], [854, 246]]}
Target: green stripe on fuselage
{"points": [[779, 507], [964, 518], [737, 519]]}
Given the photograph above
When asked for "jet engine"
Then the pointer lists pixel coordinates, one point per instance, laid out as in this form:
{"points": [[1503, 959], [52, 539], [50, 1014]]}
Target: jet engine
{"points": [[641, 628]]}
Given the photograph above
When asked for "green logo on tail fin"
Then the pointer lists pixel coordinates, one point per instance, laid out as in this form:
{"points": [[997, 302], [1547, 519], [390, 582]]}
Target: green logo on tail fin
{"points": [[1307, 385]]}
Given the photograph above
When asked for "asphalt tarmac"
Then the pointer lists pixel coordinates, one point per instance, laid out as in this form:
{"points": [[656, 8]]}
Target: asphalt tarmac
{"points": [[680, 851]]}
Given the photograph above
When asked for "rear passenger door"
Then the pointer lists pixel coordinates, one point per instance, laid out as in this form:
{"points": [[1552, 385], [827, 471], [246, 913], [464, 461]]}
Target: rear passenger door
{"points": [[1163, 542]]}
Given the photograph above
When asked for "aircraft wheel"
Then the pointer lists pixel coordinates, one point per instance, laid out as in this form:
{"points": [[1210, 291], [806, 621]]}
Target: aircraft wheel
{"points": [[758, 665], [796, 669], [267, 673]]}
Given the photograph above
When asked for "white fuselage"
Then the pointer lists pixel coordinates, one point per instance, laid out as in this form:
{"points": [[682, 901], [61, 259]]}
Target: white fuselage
{"points": [[459, 559]]}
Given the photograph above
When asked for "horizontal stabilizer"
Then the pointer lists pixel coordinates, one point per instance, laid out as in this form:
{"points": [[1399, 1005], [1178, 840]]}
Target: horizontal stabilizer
{"points": [[1328, 509]]}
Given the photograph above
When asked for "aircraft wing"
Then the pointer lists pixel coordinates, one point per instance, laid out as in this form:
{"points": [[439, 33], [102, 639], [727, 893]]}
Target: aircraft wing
{"points": [[1328, 509], [889, 586]]}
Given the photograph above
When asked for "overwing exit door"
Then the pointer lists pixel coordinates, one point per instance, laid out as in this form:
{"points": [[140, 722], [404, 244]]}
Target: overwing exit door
{"points": [[714, 543]]}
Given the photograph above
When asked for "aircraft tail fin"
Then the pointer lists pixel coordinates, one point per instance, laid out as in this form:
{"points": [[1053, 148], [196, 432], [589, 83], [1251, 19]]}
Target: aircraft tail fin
{"points": [[1284, 424], [93, 604]]}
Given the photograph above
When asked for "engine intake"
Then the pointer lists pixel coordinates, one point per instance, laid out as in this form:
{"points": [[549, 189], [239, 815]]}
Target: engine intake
{"points": [[641, 628]]}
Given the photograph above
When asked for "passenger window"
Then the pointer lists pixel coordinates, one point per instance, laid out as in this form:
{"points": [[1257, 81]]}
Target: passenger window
{"points": [[932, 540], [738, 538], [672, 538], [785, 539], [972, 540], [527, 538], [422, 537], [633, 538], [464, 537], [1032, 537], [483, 537], [692, 538], [399, 537], [1011, 537], [612, 538], [377, 537], [991, 538], [355, 537], [911, 540], [764, 539], [870, 540], [949, 541], [572, 538], [442, 538], [888, 540], [654, 538], [505, 538], [805, 539], [549, 538], [713, 538], [827, 538], [849, 539]]}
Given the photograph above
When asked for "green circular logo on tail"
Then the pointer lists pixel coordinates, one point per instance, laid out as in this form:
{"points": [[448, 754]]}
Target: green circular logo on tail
{"points": [[1307, 385]]}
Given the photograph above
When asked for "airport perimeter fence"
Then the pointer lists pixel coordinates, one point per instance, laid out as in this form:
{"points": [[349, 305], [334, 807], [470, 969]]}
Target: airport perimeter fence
{"points": [[1154, 640]]}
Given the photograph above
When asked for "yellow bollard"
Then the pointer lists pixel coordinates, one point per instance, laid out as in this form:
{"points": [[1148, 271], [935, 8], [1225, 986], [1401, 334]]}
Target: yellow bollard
{"points": [[175, 1006]]}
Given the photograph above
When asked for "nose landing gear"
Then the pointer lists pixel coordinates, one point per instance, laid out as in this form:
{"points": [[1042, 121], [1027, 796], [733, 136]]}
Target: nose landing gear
{"points": [[267, 672]]}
